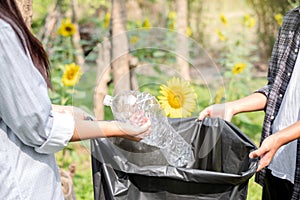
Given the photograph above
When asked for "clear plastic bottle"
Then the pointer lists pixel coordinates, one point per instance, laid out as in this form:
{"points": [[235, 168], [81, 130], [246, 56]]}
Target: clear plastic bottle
{"points": [[175, 149]]}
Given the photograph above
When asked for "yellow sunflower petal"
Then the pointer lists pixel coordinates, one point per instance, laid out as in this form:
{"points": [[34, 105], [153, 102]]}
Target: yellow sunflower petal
{"points": [[67, 28], [177, 98], [71, 75]]}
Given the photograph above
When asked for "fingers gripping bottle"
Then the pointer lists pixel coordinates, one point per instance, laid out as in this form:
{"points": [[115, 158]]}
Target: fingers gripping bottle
{"points": [[125, 105]]}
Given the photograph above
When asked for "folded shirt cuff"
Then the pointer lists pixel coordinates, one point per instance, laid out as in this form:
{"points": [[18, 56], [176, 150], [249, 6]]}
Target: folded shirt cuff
{"points": [[60, 130], [264, 90]]}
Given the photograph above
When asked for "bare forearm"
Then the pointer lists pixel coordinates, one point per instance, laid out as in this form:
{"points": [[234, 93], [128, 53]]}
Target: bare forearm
{"points": [[253, 102], [271, 144], [95, 129], [84, 129], [288, 134], [226, 111], [87, 129]]}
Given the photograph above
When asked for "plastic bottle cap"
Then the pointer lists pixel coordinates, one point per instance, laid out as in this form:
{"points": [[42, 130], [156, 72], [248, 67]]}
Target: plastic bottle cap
{"points": [[107, 100]]}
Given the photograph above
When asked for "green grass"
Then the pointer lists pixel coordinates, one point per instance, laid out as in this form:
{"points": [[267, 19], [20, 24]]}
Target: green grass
{"points": [[252, 128], [254, 190], [78, 154]]}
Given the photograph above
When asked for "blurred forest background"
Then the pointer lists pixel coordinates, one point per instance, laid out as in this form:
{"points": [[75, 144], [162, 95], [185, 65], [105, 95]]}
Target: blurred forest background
{"points": [[99, 47]]}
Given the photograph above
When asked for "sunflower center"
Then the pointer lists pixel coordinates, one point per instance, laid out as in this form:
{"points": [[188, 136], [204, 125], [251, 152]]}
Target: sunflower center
{"points": [[71, 74], [175, 100], [68, 29]]}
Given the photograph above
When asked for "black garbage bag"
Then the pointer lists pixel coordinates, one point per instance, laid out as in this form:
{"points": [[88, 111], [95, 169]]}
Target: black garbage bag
{"points": [[126, 170]]}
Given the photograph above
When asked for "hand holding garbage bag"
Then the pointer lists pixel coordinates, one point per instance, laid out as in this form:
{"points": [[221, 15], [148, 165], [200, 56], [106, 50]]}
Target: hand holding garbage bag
{"points": [[226, 111], [271, 144], [266, 151], [223, 111]]}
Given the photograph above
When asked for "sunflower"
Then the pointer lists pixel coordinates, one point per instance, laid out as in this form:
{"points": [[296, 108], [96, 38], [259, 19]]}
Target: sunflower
{"points": [[67, 28], [223, 19], [134, 40], [146, 23], [178, 98], [172, 15], [221, 36], [171, 25], [220, 96], [279, 18], [72, 74], [238, 68], [248, 21], [106, 20], [188, 31]]}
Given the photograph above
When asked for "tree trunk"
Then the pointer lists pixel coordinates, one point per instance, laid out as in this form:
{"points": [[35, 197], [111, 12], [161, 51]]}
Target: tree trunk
{"points": [[25, 7], [267, 28], [66, 178], [120, 56], [53, 17], [198, 7], [76, 36], [182, 40], [103, 77]]}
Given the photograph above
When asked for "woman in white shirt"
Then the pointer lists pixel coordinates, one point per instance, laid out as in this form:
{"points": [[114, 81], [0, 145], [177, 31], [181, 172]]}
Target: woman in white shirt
{"points": [[31, 129]]}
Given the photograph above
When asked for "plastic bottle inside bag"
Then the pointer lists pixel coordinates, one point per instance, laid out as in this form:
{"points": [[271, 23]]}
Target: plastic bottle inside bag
{"points": [[125, 105]]}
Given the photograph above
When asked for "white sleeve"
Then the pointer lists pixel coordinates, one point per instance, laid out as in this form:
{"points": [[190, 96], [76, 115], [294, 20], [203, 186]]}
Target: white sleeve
{"points": [[59, 130]]}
